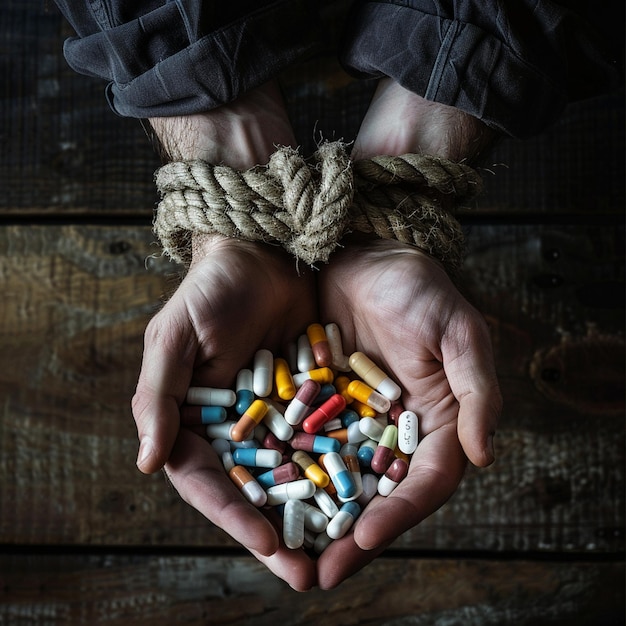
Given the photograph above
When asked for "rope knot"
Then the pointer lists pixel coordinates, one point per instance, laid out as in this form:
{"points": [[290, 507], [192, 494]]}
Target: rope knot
{"points": [[308, 207]]}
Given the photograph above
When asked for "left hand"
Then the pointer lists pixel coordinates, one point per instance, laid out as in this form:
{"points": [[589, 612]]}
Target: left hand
{"points": [[397, 305]]}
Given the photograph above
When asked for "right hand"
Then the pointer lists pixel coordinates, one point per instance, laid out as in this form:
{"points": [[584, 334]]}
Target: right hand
{"points": [[237, 297]]}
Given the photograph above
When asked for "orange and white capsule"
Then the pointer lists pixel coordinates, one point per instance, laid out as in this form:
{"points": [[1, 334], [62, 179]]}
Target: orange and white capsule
{"points": [[366, 369], [283, 380], [245, 482], [248, 421], [319, 345], [364, 393]]}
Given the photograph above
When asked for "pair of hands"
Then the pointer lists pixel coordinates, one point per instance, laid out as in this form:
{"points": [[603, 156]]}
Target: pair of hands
{"points": [[391, 301]]}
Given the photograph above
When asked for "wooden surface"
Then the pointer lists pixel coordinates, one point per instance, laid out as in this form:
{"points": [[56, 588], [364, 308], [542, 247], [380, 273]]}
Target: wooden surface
{"points": [[538, 538]]}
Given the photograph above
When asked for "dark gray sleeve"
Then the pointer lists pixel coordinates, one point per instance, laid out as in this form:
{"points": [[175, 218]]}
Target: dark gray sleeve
{"points": [[515, 64], [180, 57]]}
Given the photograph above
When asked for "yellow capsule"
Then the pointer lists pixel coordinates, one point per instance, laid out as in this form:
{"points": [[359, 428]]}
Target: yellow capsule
{"points": [[364, 393], [283, 380], [310, 468], [362, 409], [249, 420], [321, 375], [341, 385]]}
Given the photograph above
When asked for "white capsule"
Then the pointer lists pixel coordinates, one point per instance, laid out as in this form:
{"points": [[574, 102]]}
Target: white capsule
{"points": [[340, 360], [341, 523], [325, 502], [408, 433], [276, 422], [322, 541], [210, 396], [334, 424], [371, 427], [314, 519], [305, 359], [293, 524], [263, 373], [222, 431], [370, 489], [296, 490], [220, 446], [228, 461], [355, 434]]}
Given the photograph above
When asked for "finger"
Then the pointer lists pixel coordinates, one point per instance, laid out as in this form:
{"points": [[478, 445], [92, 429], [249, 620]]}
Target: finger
{"points": [[169, 351], [199, 478], [434, 474], [292, 566], [470, 369]]}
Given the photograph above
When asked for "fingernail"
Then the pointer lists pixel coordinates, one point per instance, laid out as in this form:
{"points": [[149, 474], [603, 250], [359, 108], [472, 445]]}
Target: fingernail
{"points": [[145, 450]]}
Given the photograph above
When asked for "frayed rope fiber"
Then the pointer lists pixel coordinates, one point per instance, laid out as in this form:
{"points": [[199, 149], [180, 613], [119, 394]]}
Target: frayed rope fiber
{"points": [[308, 207]]}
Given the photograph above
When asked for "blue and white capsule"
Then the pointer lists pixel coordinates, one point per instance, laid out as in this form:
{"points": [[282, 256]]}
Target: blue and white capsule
{"points": [[339, 525]]}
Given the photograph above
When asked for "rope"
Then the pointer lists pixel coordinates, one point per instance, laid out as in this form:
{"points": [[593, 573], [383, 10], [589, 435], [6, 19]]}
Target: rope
{"points": [[307, 208]]}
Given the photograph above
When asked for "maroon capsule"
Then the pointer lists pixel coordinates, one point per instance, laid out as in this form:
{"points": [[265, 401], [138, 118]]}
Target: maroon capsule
{"points": [[394, 412], [324, 413], [285, 473], [272, 442], [395, 473]]}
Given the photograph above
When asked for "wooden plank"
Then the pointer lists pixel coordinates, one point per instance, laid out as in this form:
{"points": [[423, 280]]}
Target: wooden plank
{"points": [[75, 303], [68, 153], [163, 590]]}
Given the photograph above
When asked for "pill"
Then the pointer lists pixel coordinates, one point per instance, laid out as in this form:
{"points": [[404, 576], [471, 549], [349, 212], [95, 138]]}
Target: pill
{"points": [[245, 482], [339, 475], [220, 446], [276, 422], [210, 396], [365, 453], [322, 541], [305, 359], [319, 345], [283, 380], [324, 413], [348, 453], [272, 442], [257, 457], [366, 369], [354, 432], [263, 373], [339, 525], [244, 393], [322, 375], [367, 395], [300, 406], [341, 435], [296, 490], [385, 450], [372, 427], [361, 409], [285, 473], [395, 410], [195, 414], [339, 360], [314, 443], [408, 433], [246, 423], [293, 524], [310, 469], [325, 503], [394, 474], [326, 391], [227, 460], [341, 385], [314, 519], [348, 417], [223, 430], [370, 489], [332, 425]]}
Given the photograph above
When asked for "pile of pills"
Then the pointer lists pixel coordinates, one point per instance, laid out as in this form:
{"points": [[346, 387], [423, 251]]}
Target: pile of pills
{"points": [[316, 434]]}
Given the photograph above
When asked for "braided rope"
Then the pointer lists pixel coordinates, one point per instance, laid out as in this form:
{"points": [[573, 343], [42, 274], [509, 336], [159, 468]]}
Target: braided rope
{"points": [[307, 208]]}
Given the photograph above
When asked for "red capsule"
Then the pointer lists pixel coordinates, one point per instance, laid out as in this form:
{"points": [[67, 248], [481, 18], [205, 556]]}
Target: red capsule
{"points": [[324, 413]]}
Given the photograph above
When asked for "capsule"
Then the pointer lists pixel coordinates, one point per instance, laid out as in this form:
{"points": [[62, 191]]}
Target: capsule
{"points": [[394, 412], [366, 451], [370, 489], [210, 396], [348, 417], [244, 392], [314, 519], [246, 423], [372, 428], [355, 434], [326, 391], [314, 443], [408, 434], [271, 442], [348, 453], [310, 468], [339, 475], [322, 541], [296, 490], [341, 385], [324, 413], [283, 380], [366, 369], [322, 375], [319, 345], [192, 415], [257, 457], [300, 406], [325, 503], [263, 373], [251, 490], [396, 472], [339, 360], [385, 450], [293, 524], [227, 460], [367, 395], [305, 359], [285, 473], [361, 409], [223, 430], [276, 422], [340, 434], [220, 446], [339, 525]]}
